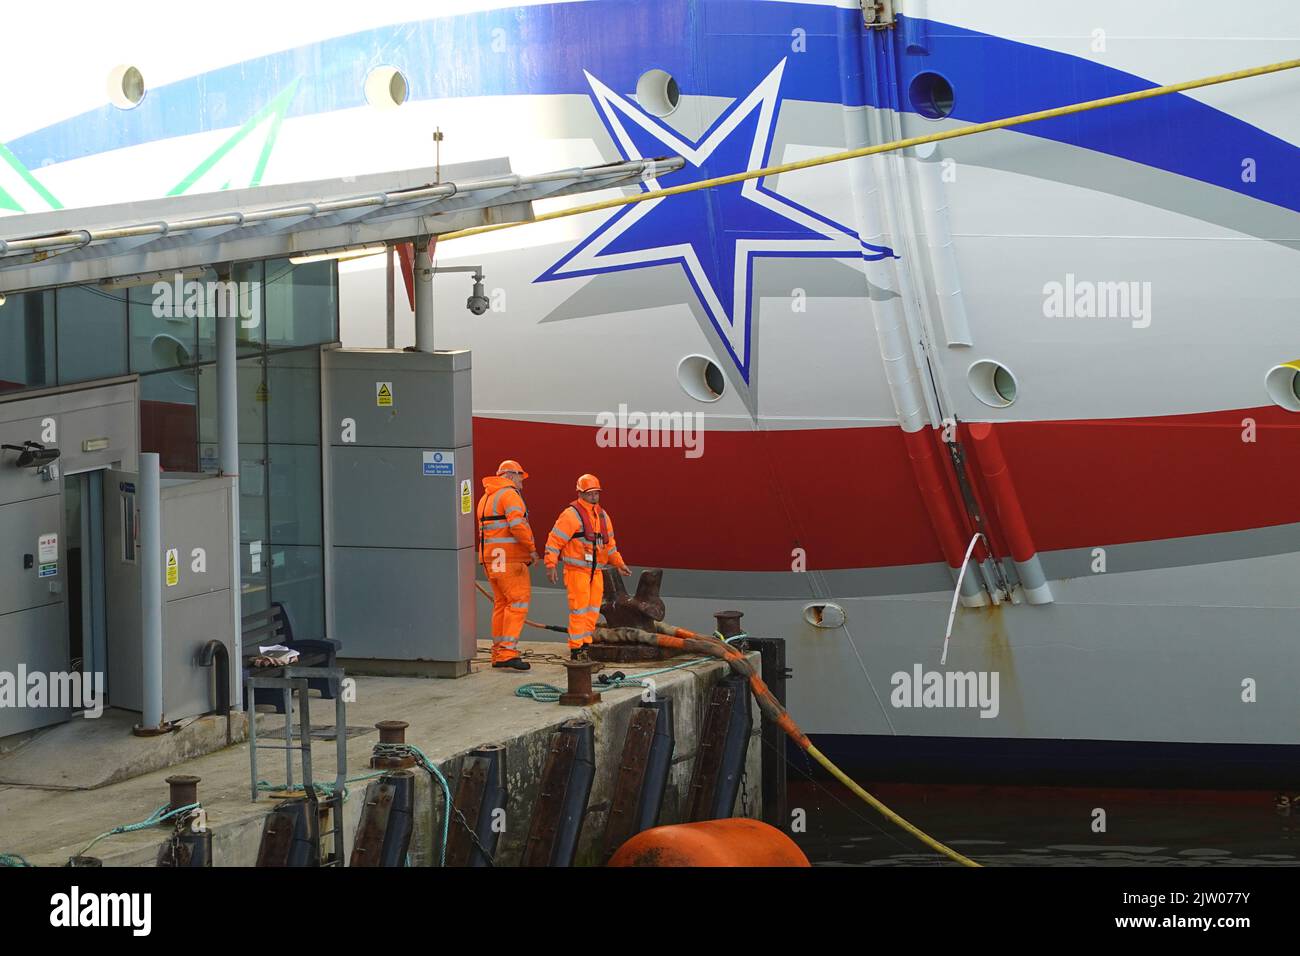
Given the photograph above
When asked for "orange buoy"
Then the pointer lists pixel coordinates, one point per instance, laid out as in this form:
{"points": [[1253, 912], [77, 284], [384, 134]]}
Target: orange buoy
{"points": [[733, 842]]}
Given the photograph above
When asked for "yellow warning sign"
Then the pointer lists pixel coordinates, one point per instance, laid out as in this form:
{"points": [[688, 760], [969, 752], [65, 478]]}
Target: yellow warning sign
{"points": [[262, 393], [384, 394], [173, 568], [466, 497]]}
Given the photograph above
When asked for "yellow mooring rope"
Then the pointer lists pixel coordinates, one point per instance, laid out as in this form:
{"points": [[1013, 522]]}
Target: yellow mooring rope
{"points": [[887, 813], [887, 147]]}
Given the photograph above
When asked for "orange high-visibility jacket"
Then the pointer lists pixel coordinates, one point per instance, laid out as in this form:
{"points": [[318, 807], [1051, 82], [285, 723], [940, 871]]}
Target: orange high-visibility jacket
{"points": [[503, 522], [577, 529]]}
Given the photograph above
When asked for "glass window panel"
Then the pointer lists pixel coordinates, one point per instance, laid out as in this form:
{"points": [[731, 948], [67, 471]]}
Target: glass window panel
{"points": [[161, 336], [251, 396], [293, 397], [295, 494], [92, 333], [27, 341], [252, 493], [298, 582], [169, 421], [250, 336], [301, 302]]}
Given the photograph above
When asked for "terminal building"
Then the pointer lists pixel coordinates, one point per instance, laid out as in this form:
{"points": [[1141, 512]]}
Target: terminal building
{"points": [[202, 333]]}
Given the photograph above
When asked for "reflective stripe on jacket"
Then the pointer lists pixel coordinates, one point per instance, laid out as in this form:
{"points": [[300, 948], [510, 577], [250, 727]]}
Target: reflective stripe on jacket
{"points": [[580, 528], [503, 522]]}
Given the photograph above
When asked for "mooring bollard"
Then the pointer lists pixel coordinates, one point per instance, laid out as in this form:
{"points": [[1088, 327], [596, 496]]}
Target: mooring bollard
{"points": [[392, 737], [183, 790], [562, 801], [481, 795], [579, 693], [190, 844], [729, 623]]}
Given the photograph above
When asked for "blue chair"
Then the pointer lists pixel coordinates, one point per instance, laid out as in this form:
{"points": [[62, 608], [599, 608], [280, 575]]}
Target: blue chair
{"points": [[272, 626]]}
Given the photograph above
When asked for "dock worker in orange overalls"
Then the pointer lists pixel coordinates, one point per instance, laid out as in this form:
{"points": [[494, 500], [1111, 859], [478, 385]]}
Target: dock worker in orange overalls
{"points": [[506, 548], [583, 540]]}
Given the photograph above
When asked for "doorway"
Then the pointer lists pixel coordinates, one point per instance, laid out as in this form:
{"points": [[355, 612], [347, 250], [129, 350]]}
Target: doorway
{"points": [[83, 524]]}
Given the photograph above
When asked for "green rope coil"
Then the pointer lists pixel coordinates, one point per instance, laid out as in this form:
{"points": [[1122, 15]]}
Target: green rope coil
{"points": [[155, 818]]}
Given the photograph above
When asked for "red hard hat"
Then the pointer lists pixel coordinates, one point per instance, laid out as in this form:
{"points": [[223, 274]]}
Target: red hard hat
{"points": [[589, 483], [511, 465]]}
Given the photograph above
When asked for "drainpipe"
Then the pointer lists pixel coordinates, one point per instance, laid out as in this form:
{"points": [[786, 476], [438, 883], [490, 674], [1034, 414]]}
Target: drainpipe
{"points": [[902, 374], [151, 593], [1011, 517], [423, 295], [390, 297], [228, 460]]}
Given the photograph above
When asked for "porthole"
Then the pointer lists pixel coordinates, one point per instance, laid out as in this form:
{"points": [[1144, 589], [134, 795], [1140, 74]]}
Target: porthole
{"points": [[931, 95], [125, 86], [701, 378], [1283, 384], [657, 92], [992, 383], [386, 88], [824, 615]]}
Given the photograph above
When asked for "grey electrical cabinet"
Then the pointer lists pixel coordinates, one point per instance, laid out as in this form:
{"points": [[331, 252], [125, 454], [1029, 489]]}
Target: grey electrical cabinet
{"points": [[400, 474], [60, 440], [198, 603]]}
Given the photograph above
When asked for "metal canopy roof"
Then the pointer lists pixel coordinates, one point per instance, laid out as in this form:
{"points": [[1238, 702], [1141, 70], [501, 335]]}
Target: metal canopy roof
{"points": [[76, 246]]}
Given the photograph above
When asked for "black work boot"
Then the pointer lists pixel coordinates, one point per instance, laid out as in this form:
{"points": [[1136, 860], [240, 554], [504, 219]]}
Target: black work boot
{"points": [[515, 663], [578, 653]]}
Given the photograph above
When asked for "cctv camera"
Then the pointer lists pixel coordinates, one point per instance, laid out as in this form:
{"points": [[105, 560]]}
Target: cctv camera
{"points": [[478, 302], [33, 454]]}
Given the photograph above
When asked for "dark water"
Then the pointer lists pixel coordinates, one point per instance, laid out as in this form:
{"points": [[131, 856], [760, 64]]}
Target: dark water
{"points": [[1049, 826]]}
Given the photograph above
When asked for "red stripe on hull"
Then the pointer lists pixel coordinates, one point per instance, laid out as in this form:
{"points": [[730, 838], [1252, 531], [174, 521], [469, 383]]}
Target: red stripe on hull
{"points": [[848, 496]]}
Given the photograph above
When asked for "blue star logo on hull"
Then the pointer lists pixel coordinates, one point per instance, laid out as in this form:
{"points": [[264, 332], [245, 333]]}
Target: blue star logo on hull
{"points": [[713, 234]]}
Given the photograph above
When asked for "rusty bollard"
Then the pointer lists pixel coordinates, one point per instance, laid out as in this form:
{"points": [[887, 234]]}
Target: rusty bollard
{"points": [[729, 623], [391, 733], [184, 790], [580, 693]]}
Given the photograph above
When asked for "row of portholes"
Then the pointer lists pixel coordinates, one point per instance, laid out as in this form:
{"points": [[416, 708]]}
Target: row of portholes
{"points": [[386, 88], [994, 385], [931, 95]]}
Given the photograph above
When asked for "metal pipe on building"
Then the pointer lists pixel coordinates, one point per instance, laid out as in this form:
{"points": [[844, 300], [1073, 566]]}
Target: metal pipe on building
{"points": [[423, 295], [228, 461], [390, 296], [151, 591]]}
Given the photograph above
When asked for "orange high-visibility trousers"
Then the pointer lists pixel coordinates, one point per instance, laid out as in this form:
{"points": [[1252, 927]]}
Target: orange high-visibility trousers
{"points": [[585, 594], [511, 591]]}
